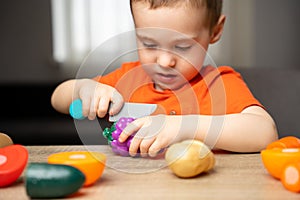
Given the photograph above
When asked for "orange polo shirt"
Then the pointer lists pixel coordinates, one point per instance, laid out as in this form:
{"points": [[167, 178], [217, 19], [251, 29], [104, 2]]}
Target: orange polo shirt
{"points": [[214, 91]]}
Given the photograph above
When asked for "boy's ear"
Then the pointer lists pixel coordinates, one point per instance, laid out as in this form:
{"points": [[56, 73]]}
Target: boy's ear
{"points": [[218, 30]]}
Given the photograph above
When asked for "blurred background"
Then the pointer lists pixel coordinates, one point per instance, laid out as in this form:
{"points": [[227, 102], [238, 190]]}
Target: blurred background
{"points": [[44, 42]]}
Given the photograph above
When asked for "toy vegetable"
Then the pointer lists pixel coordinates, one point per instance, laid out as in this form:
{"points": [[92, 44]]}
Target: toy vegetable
{"points": [[44, 180], [5, 140], [189, 158]]}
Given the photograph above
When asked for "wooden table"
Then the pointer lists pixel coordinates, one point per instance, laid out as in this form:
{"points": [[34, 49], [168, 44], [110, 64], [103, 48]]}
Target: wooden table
{"points": [[235, 176]]}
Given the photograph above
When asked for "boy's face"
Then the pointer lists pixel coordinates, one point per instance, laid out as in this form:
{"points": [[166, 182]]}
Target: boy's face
{"points": [[172, 43]]}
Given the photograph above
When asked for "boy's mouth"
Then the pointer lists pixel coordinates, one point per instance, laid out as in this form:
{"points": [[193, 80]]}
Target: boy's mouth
{"points": [[166, 78]]}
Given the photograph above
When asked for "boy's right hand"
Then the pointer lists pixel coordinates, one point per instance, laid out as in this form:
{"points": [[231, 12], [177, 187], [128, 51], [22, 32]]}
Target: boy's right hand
{"points": [[98, 99]]}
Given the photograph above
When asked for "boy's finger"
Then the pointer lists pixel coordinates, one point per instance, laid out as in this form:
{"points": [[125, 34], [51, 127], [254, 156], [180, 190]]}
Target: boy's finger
{"points": [[116, 103], [131, 128], [145, 145], [123, 137], [154, 149], [102, 107], [85, 106], [134, 146], [93, 109]]}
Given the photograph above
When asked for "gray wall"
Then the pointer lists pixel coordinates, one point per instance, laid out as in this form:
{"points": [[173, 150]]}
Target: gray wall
{"points": [[277, 29]]}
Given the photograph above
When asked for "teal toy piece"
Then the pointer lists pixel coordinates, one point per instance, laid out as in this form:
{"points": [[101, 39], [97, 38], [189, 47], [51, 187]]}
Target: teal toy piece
{"points": [[52, 180], [75, 109]]}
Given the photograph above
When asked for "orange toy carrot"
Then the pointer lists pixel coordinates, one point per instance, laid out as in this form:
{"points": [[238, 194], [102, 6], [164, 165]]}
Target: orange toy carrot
{"points": [[285, 142], [291, 177]]}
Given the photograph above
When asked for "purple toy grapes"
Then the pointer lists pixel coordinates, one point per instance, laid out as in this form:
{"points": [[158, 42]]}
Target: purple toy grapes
{"points": [[112, 135]]}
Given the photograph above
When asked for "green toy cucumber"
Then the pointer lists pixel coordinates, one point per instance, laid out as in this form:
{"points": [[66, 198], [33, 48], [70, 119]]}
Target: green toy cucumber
{"points": [[44, 180]]}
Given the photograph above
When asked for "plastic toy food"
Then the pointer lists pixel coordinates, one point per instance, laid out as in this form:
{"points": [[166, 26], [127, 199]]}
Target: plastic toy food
{"points": [[91, 164], [290, 177], [275, 160], [285, 142], [5, 140], [112, 135], [282, 160], [13, 160], [44, 180], [189, 158]]}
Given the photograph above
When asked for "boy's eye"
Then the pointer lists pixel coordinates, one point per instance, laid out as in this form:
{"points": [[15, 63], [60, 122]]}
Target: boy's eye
{"points": [[183, 48], [149, 45]]}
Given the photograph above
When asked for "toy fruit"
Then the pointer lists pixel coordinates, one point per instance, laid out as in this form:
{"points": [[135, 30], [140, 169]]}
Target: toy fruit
{"points": [[112, 135], [285, 142], [91, 164], [290, 177], [44, 180], [5, 140], [282, 160], [189, 158], [13, 160], [275, 160]]}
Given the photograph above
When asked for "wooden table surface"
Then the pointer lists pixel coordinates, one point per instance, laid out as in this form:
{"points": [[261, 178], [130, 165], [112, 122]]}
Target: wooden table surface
{"points": [[235, 176]]}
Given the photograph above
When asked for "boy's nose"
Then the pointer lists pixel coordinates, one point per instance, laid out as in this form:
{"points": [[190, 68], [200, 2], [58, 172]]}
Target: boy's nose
{"points": [[166, 59]]}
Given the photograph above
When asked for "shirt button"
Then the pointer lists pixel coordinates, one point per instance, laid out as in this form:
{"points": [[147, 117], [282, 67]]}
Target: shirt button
{"points": [[172, 112]]}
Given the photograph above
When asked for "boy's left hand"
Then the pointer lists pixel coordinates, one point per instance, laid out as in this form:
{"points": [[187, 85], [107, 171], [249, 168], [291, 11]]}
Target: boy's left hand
{"points": [[153, 133]]}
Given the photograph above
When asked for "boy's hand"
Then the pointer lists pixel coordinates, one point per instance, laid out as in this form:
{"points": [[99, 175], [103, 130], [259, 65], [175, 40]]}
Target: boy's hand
{"points": [[154, 133], [96, 98]]}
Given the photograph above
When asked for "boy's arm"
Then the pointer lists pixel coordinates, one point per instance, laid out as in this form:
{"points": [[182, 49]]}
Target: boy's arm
{"points": [[62, 96], [248, 131]]}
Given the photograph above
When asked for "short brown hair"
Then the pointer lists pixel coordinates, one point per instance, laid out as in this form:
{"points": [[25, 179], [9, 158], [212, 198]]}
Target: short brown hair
{"points": [[214, 7]]}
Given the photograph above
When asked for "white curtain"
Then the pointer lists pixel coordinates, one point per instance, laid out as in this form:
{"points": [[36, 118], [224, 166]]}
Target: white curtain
{"points": [[79, 26]]}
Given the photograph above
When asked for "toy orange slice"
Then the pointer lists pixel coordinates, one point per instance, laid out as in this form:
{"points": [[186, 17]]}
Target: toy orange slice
{"points": [[91, 164], [285, 142], [276, 159], [291, 177]]}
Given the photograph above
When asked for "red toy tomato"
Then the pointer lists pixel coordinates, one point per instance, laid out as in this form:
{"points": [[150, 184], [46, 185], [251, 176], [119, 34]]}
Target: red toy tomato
{"points": [[13, 160]]}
